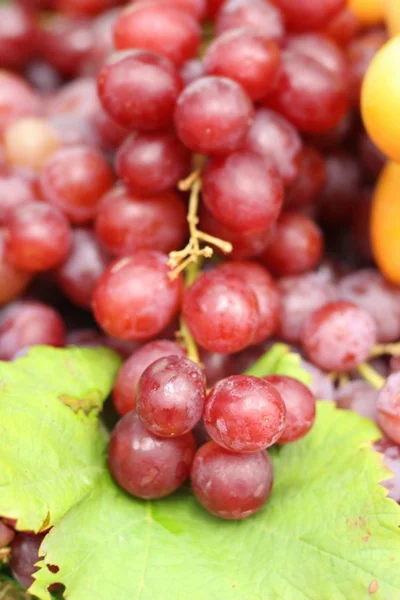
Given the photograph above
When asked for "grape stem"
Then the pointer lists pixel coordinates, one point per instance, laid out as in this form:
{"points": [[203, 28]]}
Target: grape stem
{"points": [[188, 341], [371, 376], [382, 349], [192, 252]]}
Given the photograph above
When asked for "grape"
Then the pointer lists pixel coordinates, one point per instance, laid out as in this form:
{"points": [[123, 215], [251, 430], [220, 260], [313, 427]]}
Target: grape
{"points": [[391, 458], [321, 384], [124, 392], [102, 45], [126, 222], [342, 187], [146, 465], [14, 192], [213, 115], [24, 556], [42, 76], [301, 295], [78, 97], [360, 53], [260, 15], [151, 80], [296, 245], [109, 132], [245, 245], [38, 237], [339, 336], [158, 27], [266, 291], [301, 15], [171, 396], [244, 414], [74, 179], [372, 159], [300, 407], [29, 141], [272, 136], [83, 7], [6, 535], [13, 281], [321, 49], [216, 366], [74, 130], [221, 312], [358, 396], [388, 408], [307, 94], [17, 99], [343, 28], [243, 191], [229, 485], [28, 323], [134, 299], [310, 180], [17, 35], [191, 70], [230, 52], [368, 289], [213, 7], [78, 275], [196, 8], [150, 163]]}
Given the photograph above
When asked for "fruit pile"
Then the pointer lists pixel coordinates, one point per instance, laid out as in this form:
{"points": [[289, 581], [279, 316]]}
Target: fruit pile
{"points": [[188, 182]]}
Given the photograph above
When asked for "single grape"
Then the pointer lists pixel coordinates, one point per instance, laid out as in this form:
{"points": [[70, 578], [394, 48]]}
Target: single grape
{"points": [[230, 52], [358, 396], [296, 245], [391, 458], [300, 407], [266, 291], [79, 273], [244, 414], [139, 89], [321, 384], [388, 408], [74, 179], [229, 485], [17, 99], [321, 49], [76, 130], [305, 15], [150, 163], [78, 97], [213, 115], [309, 182], [38, 237], [29, 142], [310, 96], [301, 296], [125, 387], [260, 15], [24, 556], [17, 35], [243, 191], [13, 281], [145, 465], [221, 312], [7, 535], [171, 396], [339, 336], [343, 28], [15, 190], [134, 299], [127, 222], [272, 136]]}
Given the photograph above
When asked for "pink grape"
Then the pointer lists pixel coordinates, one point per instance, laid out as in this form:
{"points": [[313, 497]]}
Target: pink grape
{"points": [[388, 408], [358, 396]]}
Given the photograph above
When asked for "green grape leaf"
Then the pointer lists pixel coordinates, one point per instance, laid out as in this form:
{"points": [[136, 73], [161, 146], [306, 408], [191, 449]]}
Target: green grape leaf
{"points": [[280, 361], [51, 442], [327, 533]]}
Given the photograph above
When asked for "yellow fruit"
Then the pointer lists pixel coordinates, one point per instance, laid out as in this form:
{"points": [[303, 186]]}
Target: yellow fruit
{"points": [[368, 12], [385, 223], [380, 99], [392, 13]]}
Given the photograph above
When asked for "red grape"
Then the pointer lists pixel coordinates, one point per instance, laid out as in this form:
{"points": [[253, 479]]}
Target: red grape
{"points": [[26, 324], [221, 312], [261, 15], [146, 465], [158, 27], [296, 245], [306, 187], [230, 52], [75, 130], [266, 291], [24, 556], [86, 262], [320, 49], [17, 99], [191, 70], [272, 136], [308, 94], [83, 7], [213, 115], [74, 179], [343, 28], [300, 407], [150, 163], [216, 366], [135, 299], [391, 458], [38, 237], [339, 336], [126, 222], [17, 35], [196, 8], [305, 15], [78, 97], [13, 281], [170, 396], [388, 408], [321, 384], [244, 414], [139, 89], [360, 53], [229, 485], [342, 187], [243, 191], [358, 396], [15, 191]]}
